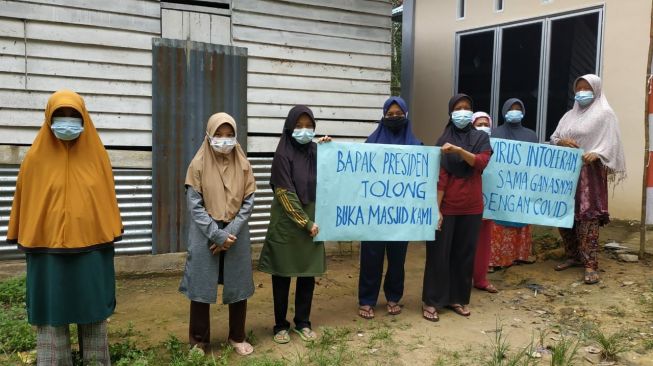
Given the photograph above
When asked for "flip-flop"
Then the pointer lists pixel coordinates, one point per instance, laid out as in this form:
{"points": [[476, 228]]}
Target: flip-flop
{"points": [[591, 277], [366, 312], [489, 288], [393, 309], [281, 337], [306, 334], [242, 348], [460, 310], [567, 264], [433, 314]]}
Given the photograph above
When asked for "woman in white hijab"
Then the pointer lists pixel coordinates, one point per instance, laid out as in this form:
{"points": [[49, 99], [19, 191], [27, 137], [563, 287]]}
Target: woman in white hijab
{"points": [[592, 126]]}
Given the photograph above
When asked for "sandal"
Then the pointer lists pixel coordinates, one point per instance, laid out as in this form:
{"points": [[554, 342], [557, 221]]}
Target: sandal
{"points": [[306, 334], [366, 312], [242, 348], [393, 308], [591, 277], [567, 264], [460, 309], [429, 315], [281, 337], [489, 288]]}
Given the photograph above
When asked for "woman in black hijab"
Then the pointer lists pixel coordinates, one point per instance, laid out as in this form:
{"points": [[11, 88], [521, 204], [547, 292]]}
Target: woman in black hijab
{"points": [[450, 258], [289, 250]]}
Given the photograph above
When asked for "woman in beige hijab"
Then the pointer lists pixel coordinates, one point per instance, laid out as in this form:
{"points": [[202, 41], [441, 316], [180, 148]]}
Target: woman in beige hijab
{"points": [[220, 196]]}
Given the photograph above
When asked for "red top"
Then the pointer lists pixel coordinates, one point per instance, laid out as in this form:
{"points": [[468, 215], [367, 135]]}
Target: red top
{"points": [[464, 196]]}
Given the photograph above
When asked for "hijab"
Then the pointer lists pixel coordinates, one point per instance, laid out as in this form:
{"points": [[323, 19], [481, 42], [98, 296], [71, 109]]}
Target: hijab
{"points": [[385, 135], [478, 115], [468, 138], [223, 180], [596, 129], [65, 200], [514, 131], [294, 166]]}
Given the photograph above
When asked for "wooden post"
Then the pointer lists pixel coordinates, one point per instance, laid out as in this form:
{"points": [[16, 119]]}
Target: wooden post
{"points": [[647, 109]]}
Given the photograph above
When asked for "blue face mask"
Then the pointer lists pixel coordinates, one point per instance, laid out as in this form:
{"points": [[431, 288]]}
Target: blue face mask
{"points": [[67, 128], [514, 116], [461, 118], [584, 97], [303, 135]]}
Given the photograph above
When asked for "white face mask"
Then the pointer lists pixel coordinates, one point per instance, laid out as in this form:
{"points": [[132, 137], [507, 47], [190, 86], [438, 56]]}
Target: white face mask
{"points": [[485, 129], [222, 145]]}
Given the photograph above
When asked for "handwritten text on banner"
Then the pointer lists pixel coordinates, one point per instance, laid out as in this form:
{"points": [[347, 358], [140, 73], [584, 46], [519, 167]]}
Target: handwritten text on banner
{"points": [[376, 192], [531, 183]]}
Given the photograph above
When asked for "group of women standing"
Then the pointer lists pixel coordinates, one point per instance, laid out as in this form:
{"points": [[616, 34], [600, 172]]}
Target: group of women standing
{"points": [[65, 217]]}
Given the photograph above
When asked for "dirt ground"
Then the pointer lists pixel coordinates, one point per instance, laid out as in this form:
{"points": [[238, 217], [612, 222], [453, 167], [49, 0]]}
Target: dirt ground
{"points": [[562, 307]]}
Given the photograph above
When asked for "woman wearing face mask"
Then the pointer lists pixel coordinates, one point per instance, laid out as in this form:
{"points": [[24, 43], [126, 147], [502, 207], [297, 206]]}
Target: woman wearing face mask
{"points": [[394, 128], [511, 241], [65, 218], [220, 197], [289, 249], [450, 259], [592, 126], [483, 122]]}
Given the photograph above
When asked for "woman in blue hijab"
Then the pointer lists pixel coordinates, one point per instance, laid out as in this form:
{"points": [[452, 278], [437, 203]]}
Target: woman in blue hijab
{"points": [[394, 128]]}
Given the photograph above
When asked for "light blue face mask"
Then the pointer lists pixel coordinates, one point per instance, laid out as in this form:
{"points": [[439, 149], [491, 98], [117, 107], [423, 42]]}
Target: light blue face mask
{"points": [[67, 128], [303, 135], [514, 116], [461, 118], [584, 97]]}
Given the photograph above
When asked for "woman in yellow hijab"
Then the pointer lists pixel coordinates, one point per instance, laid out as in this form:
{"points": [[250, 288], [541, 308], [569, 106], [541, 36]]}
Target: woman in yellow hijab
{"points": [[65, 218]]}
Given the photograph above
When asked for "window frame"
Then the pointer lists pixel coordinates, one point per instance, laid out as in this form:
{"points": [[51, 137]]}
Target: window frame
{"points": [[545, 54]]}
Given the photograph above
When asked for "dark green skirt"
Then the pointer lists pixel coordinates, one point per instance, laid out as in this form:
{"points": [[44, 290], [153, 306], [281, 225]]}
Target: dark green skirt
{"points": [[75, 288]]}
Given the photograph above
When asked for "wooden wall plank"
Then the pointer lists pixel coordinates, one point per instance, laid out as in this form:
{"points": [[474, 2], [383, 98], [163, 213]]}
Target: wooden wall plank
{"points": [[200, 27], [14, 64], [12, 46], [172, 24], [360, 6], [20, 99], [89, 86], [220, 30], [83, 69], [145, 8], [270, 21], [283, 67], [82, 52], [315, 56], [60, 14], [282, 96], [316, 83], [13, 28], [310, 12], [336, 113], [269, 143], [21, 135], [86, 35], [324, 127], [310, 41]]}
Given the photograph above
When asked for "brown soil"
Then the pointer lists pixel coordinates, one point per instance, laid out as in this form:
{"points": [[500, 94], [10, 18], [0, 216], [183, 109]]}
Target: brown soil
{"points": [[563, 306]]}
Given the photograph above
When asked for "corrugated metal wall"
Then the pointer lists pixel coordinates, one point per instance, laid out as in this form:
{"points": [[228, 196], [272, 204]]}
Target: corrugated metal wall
{"points": [[134, 191], [190, 81]]}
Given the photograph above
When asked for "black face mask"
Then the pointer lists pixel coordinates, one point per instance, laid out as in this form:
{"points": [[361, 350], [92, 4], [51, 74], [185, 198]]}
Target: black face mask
{"points": [[394, 124]]}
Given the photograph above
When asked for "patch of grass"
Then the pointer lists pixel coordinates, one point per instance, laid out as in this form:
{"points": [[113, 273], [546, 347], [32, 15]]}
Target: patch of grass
{"points": [[262, 361], [501, 356], [16, 335], [611, 345], [563, 352], [331, 348]]}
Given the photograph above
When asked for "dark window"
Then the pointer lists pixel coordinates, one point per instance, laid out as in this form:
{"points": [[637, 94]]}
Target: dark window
{"points": [[520, 69], [498, 5], [573, 54], [461, 9], [475, 68]]}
